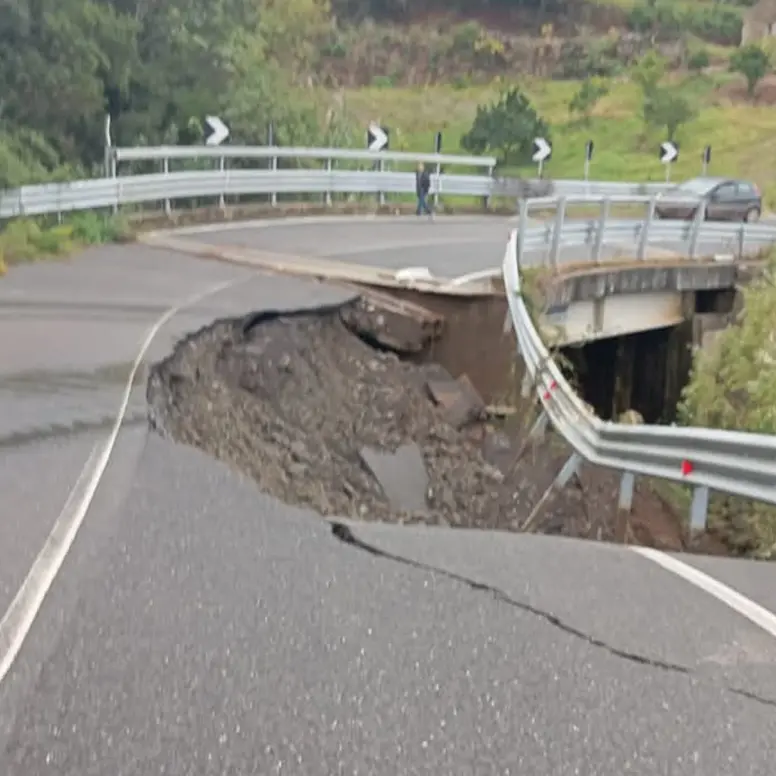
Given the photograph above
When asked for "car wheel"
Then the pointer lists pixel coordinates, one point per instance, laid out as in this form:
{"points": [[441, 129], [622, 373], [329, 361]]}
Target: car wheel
{"points": [[752, 215]]}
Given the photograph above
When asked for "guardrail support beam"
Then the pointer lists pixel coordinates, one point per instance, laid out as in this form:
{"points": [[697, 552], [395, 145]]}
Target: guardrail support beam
{"points": [[166, 171], [522, 226], [741, 241], [222, 197], [557, 233], [695, 233], [327, 196], [699, 508], [598, 245], [539, 427], [627, 485], [273, 197], [570, 468], [645, 228]]}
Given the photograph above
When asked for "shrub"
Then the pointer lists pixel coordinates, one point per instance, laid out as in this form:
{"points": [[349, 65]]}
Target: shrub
{"points": [[506, 128], [698, 60]]}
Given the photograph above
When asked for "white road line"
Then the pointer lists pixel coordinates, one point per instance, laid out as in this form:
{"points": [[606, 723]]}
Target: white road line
{"points": [[753, 612], [18, 620]]}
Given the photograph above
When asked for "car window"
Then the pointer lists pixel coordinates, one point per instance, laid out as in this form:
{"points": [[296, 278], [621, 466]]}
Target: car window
{"points": [[695, 186], [747, 190], [726, 191]]}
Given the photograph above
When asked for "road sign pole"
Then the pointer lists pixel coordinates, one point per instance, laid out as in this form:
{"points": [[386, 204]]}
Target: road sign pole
{"points": [[541, 168], [589, 148], [668, 172]]}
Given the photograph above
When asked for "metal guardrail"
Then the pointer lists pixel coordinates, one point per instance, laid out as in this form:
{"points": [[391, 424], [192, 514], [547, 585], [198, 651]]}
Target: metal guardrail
{"points": [[633, 237], [167, 186], [732, 462], [162, 153], [112, 193]]}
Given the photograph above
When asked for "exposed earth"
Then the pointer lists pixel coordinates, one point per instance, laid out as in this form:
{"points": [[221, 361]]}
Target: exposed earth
{"points": [[320, 418]]}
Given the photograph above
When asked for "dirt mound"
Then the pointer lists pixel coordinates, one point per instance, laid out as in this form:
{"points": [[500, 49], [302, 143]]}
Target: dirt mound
{"points": [[314, 414]]}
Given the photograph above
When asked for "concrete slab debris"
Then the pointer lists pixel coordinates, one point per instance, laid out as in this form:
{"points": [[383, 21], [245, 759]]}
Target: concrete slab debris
{"points": [[401, 474]]}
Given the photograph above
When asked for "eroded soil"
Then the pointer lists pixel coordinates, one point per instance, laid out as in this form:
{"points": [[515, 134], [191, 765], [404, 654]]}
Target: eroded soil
{"points": [[292, 401]]}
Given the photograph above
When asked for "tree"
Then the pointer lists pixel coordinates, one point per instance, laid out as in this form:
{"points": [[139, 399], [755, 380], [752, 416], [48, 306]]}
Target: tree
{"points": [[649, 72], [662, 107], [583, 102], [752, 63], [506, 128], [668, 108]]}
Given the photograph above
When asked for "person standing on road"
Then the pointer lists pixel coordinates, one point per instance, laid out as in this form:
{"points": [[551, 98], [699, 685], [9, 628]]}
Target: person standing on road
{"points": [[422, 187]]}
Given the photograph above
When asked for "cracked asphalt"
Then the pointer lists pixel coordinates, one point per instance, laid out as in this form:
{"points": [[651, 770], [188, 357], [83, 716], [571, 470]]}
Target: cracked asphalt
{"points": [[200, 627]]}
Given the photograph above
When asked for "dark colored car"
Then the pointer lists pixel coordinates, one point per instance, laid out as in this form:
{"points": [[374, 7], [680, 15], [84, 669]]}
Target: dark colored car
{"points": [[726, 199]]}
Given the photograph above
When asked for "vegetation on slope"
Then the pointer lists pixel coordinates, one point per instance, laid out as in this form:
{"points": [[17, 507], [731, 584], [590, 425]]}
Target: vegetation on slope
{"points": [[733, 386], [158, 69]]}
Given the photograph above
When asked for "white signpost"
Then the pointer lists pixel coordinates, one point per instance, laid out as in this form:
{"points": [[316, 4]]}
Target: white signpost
{"points": [[376, 138], [669, 153], [220, 131], [542, 152]]}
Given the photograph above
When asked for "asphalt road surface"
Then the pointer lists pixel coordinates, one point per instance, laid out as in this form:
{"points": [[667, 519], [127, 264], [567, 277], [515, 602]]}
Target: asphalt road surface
{"points": [[449, 247], [197, 626]]}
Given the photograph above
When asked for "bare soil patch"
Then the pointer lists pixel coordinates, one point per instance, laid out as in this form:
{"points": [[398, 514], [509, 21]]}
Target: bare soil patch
{"points": [[735, 92]]}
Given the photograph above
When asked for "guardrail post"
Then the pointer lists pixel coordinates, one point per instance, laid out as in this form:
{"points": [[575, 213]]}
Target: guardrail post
{"points": [[486, 198], [327, 195], [741, 240], [222, 169], [539, 428], [436, 193], [598, 246], [381, 194], [645, 227], [695, 230], [699, 508], [522, 226], [624, 505], [166, 171], [273, 197], [557, 232]]}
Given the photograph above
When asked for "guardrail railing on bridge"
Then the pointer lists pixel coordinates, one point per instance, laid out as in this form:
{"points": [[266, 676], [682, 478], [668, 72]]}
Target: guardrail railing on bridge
{"points": [[737, 463], [691, 238]]}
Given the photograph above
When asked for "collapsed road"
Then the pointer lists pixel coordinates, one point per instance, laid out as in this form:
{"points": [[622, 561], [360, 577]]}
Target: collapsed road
{"points": [[338, 410]]}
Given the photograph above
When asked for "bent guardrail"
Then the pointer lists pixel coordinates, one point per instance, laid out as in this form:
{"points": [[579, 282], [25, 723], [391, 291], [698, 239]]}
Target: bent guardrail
{"points": [[736, 463]]}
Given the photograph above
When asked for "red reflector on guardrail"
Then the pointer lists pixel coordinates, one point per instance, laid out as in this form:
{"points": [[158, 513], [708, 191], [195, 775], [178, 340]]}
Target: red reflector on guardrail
{"points": [[687, 468]]}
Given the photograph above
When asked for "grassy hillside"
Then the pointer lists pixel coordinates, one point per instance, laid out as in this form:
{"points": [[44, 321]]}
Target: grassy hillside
{"points": [[742, 134]]}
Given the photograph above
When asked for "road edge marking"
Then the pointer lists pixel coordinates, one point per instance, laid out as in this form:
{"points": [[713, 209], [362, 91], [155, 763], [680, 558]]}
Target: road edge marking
{"points": [[18, 619], [746, 607]]}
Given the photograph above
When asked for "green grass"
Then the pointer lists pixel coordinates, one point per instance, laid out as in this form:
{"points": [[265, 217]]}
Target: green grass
{"points": [[25, 240], [742, 136]]}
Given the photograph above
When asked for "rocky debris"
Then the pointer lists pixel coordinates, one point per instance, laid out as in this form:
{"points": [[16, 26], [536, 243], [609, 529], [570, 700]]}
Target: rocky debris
{"points": [[321, 419], [399, 326], [293, 401], [458, 399]]}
